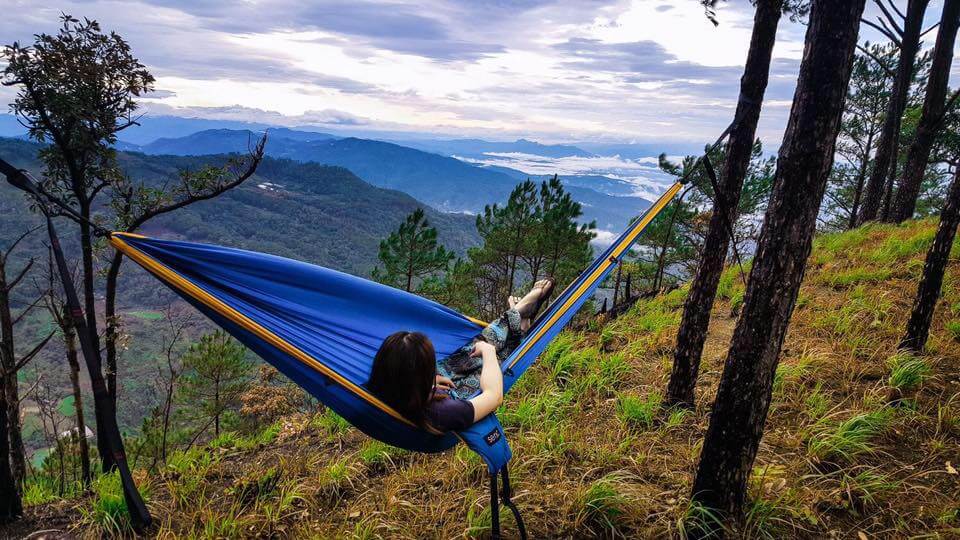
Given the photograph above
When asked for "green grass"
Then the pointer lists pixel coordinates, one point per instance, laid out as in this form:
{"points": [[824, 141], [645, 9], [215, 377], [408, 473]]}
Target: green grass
{"points": [[907, 372], [895, 247], [66, 407], [789, 374], [639, 412], [953, 328], [816, 404], [147, 315], [39, 490], [108, 510], [843, 242], [844, 441], [603, 503], [331, 422], [842, 279], [866, 487], [700, 521], [378, 454]]}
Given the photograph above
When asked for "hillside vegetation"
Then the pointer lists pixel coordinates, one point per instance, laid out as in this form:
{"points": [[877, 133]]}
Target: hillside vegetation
{"points": [[859, 439]]}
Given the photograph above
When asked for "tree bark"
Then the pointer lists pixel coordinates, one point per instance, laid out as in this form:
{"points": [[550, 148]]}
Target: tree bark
{"points": [[861, 178], [70, 342], [112, 334], [889, 136], [11, 508], [8, 361], [703, 289], [107, 461], [931, 120], [805, 159], [928, 292]]}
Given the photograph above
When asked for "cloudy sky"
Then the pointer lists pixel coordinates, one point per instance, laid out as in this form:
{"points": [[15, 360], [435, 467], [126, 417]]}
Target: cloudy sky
{"points": [[552, 70]]}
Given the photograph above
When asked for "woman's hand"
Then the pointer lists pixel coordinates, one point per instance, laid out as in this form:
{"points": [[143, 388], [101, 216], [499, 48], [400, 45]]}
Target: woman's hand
{"points": [[491, 381], [480, 347], [443, 383]]}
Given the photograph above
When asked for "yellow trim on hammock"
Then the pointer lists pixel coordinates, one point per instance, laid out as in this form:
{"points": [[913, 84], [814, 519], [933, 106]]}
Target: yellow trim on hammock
{"points": [[178, 281], [637, 229], [477, 322]]}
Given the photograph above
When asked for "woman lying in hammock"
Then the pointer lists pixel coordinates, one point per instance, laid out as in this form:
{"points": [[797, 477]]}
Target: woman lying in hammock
{"points": [[444, 397]]}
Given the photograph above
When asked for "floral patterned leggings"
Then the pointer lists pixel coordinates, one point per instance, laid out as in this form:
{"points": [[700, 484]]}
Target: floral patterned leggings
{"points": [[505, 336]]}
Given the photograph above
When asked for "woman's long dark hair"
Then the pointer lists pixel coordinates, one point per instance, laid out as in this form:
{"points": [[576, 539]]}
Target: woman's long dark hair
{"points": [[403, 375]]}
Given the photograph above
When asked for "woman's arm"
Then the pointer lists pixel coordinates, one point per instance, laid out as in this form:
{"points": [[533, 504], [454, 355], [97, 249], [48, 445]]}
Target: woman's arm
{"points": [[491, 382]]}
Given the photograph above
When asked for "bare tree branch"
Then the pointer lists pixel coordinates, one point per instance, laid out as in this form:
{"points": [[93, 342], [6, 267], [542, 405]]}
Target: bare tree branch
{"points": [[892, 20], [23, 272], [882, 30], [9, 250], [928, 30]]}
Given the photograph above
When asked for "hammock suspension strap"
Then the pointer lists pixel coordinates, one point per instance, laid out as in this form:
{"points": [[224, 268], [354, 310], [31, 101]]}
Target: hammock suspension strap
{"points": [[504, 494]]}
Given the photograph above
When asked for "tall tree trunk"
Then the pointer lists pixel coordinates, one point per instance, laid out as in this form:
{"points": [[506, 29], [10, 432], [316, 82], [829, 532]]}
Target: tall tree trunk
{"points": [[703, 288], [18, 460], [888, 187], [10, 506], [112, 334], [70, 342], [861, 178], [104, 446], [928, 292], [805, 159], [931, 120], [909, 44]]}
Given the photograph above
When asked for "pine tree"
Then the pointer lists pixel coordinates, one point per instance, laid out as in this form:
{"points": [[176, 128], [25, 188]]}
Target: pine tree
{"points": [[411, 254], [907, 39], [215, 373], [806, 156], [935, 107]]}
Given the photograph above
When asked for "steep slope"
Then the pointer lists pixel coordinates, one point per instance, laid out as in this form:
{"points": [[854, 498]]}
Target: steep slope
{"points": [[595, 456]]}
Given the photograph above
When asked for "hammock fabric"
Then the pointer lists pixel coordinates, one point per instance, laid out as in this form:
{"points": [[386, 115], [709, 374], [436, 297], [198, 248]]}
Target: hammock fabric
{"points": [[322, 328]]}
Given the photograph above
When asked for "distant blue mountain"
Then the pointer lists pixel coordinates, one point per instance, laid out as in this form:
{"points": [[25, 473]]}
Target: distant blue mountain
{"points": [[477, 148], [440, 181], [282, 142]]}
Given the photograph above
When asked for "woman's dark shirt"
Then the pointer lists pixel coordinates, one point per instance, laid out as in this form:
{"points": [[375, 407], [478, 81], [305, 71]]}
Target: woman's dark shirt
{"points": [[445, 413]]}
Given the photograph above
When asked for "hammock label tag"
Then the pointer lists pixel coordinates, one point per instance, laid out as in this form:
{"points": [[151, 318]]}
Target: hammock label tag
{"points": [[492, 437]]}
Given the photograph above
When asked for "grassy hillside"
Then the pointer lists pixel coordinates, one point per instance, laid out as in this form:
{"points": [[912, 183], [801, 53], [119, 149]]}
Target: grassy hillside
{"points": [[595, 455]]}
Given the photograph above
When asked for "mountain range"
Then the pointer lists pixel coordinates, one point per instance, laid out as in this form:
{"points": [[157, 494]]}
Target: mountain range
{"points": [[446, 183]]}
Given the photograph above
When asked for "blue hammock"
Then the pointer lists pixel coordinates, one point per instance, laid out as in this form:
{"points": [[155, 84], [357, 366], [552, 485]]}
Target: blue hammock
{"points": [[322, 328]]}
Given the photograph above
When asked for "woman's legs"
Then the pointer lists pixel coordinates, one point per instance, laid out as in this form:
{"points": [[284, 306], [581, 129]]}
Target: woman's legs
{"points": [[505, 334], [529, 305]]}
